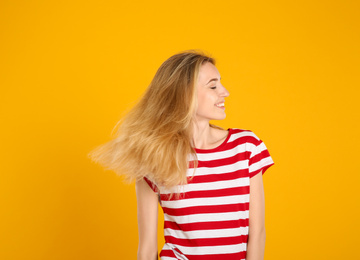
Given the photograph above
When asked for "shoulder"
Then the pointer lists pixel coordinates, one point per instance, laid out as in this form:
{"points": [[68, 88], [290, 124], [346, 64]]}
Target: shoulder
{"points": [[219, 133], [243, 136]]}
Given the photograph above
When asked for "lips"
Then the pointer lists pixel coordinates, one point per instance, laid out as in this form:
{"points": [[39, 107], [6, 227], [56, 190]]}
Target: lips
{"points": [[221, 105]]}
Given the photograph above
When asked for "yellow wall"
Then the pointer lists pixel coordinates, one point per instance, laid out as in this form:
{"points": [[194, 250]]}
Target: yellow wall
{"points": [[69, 70]]}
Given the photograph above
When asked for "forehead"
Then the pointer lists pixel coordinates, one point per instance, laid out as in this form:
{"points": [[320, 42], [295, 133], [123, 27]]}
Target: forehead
{"points": [[207, 71]]}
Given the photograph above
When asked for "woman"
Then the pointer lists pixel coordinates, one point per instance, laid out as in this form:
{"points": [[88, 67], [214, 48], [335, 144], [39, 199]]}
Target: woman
{"points": [[200, 173]]}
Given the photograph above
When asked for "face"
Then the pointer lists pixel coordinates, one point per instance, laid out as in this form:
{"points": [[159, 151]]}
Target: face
{"points": [[211, 94]]}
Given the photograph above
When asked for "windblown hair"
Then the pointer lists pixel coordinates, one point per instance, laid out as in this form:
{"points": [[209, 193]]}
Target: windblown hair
{"points": [[155, 138]]}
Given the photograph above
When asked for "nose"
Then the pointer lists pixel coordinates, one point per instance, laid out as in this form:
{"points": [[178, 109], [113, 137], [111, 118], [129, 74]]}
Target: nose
{"points": [[224, 92]]}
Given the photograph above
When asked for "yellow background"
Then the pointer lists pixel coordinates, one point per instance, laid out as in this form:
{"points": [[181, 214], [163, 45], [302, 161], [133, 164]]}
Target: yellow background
{"points": [[70, 69]]}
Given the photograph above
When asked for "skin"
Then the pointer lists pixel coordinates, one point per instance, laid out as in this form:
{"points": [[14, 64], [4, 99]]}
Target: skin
{"points": [[210, 93], [257, 235], [147, 215]]}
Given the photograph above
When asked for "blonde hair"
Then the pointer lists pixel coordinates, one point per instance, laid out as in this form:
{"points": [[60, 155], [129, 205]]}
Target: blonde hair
{"points": [[154, 139]]}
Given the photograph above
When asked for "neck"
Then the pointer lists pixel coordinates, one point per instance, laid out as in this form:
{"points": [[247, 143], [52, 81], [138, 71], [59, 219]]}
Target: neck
{"points": [[202, 134]]}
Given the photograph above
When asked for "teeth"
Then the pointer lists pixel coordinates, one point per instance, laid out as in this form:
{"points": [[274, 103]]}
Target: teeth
{"points": [[220, 105]]}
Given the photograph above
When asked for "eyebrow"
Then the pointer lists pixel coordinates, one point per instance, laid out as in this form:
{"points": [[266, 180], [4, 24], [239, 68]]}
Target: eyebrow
{"points": [[214, 79]]}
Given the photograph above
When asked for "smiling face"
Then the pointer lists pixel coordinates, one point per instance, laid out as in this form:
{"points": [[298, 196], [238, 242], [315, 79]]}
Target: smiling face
{"points": [[211, 94]]}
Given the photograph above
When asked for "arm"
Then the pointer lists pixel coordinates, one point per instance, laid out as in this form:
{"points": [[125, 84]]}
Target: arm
{"points": [[147, 213], [256, 239]]}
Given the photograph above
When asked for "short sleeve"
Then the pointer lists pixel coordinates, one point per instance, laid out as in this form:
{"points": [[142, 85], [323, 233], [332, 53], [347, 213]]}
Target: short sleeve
{"points": [[151, 184], [260, 158]]}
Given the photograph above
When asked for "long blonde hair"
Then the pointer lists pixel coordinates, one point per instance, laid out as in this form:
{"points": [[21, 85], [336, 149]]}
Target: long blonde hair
{"points": [[155, 138]]}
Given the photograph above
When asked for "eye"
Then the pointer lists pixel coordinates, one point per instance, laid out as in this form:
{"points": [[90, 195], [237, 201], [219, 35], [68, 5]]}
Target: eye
{"points": [[214, 87]]}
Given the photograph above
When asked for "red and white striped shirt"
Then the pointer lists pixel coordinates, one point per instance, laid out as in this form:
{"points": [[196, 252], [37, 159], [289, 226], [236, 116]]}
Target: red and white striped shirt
{"points": [[210, 220]]}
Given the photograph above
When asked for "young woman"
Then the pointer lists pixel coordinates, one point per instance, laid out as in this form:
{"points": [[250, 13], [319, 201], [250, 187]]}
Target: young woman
{"points": [[208, 180]]}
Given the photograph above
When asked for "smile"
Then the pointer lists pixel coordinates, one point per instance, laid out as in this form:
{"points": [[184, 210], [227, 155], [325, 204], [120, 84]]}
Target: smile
{"points": [[220, 105]]}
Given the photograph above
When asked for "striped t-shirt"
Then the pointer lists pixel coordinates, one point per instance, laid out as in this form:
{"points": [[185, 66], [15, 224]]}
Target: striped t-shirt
{"points": [[210, 219]]}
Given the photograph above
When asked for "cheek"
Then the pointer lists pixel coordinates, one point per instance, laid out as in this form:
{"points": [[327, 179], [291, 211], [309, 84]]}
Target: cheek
{"points": [[206, 97], [200, 99]]}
